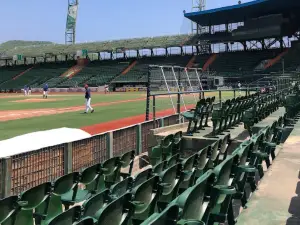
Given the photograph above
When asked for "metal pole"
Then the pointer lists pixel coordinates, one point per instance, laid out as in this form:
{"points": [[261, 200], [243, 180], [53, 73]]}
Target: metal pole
{"points": [[178, 88], [200, 83], [162, 70], [188, 78], [148, 94], [154, 109], [178, 95]]}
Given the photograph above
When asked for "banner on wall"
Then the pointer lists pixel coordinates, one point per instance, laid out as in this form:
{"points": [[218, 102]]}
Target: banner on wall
{"points": [[72, 16]]}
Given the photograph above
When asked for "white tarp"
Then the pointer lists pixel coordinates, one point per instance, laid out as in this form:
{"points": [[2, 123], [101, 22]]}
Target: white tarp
{"points": [[41, 139]]}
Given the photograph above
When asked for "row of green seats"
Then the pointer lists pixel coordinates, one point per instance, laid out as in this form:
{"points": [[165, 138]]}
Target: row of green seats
{"points": [[261, 108], [199, 115], [213, 188], [231, 113], [41, 204]]}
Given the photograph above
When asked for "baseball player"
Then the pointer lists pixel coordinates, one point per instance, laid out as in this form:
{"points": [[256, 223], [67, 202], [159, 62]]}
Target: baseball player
{"points": [[25, 90], [88, 99], [106, 90], [45, 94], [29, 90]]}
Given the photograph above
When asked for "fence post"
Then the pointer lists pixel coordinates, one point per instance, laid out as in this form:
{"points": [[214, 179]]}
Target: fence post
{"points": [[161, 122], [110, 144], [68, 158], [6, 177], [139, 139]]}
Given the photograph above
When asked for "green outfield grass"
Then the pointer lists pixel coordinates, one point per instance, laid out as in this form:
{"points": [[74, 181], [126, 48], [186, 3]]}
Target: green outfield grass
{"points": [[106, 113]]}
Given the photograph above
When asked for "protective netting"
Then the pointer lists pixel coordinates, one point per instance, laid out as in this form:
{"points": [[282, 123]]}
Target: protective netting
{"points": [[166, 81]]}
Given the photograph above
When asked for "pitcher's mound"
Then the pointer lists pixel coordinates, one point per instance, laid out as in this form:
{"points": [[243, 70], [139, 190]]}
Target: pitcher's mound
{"points": [[38, 100]]}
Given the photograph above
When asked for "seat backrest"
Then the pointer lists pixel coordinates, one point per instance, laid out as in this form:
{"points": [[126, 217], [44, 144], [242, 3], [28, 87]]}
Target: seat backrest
{"points": [[113, 213], [68, 217], [141, 177], [90, 174], [86, 221], [8, 207], [36, 195], [127, 158], [144, 193], [169, 177], [92, 205], [119, 189], [66, 183], [167, 217], [191, 201]]}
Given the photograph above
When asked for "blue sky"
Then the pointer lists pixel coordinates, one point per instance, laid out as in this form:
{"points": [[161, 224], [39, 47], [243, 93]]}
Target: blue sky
{"points": [[97, 19]]}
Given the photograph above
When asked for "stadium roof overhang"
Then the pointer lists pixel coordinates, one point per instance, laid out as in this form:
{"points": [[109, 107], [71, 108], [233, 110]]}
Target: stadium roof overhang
{"points": [[240, 12]]}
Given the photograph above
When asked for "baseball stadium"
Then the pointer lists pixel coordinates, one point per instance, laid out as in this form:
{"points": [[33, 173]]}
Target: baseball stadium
{"points": [[199, 128]]}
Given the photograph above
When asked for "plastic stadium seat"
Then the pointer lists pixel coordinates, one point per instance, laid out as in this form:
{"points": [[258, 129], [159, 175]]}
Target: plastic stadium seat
{"points": [[168, 216], [145, 197], [8, 209], [170, 180], [94, 204], [68, 217], [121, 188], [37, 202], [189, 172], [62, 186], [141, 177], [194, 202], [86, 221], [111, 170], [118, 212]]}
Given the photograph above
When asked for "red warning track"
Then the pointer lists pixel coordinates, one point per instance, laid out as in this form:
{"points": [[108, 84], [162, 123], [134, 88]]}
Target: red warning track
{"points": [[125, 122]]}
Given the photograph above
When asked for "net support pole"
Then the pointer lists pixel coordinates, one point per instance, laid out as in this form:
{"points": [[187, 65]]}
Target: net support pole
{"points": [[163, 73], [200, 83], [178, 95], [188, 78], [148, 93], [178, 88]]}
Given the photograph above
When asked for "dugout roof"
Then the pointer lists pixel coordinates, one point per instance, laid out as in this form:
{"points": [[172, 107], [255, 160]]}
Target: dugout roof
{"points": [[241, 12]]}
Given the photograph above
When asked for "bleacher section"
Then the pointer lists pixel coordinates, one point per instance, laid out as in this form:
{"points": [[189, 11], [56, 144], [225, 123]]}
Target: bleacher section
{"points": [[98, 73], [40, 74], [7, 73], [236, 62], [291, 62]]}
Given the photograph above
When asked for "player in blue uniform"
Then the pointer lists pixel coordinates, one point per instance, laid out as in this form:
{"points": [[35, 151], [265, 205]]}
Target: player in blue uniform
{"points": [[88, 99], [45, 94], [25, 90]]}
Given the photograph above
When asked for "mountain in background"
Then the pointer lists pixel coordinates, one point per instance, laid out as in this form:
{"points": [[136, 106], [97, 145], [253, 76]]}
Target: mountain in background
{"points": [[17, 43]]}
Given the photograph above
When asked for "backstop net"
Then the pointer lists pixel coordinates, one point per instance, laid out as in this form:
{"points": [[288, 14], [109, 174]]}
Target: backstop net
{"points": [[172, 89]]}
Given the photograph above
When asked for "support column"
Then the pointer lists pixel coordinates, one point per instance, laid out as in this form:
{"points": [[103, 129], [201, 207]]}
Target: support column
{"points": [[6, 177], [139, 139], [110, 144], [68, 158]]}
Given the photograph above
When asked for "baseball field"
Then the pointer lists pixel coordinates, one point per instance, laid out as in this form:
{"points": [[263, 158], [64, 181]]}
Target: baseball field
{"points": [[24, 114]]}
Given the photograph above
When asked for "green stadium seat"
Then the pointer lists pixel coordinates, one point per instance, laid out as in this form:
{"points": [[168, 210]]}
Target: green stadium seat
{"points": [[145, 197], [194, 202], [8, 209], [117, 212], [35, 198], [92, 205], [168, 216], [119, 189], [68, 217]]}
